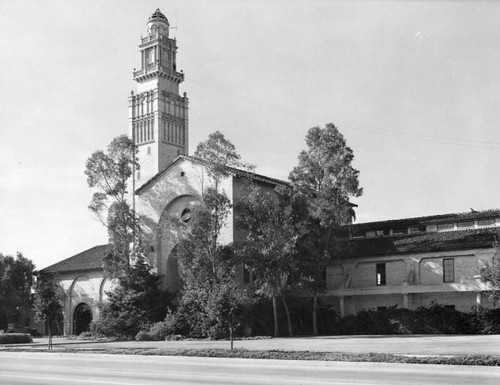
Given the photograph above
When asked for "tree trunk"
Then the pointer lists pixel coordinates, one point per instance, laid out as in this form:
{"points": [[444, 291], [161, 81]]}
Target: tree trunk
{"points": [[275, 315], [288, 320], [315, 314], [50, 335], [231, 337]]}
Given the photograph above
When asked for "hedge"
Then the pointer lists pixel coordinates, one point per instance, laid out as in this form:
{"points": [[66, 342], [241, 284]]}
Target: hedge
{"points": [[15, 338]]}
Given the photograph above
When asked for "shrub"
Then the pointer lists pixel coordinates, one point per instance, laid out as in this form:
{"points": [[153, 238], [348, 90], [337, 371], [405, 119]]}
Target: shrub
{"points": [[435, 319], [485, 321], [15, 338], [160, 331]]}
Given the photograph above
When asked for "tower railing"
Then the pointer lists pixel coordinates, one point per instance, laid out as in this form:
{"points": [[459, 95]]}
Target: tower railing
{"points": [[151, 38], [156, 67]]}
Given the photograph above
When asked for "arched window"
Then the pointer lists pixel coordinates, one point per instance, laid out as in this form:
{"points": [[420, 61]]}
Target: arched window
{"points": [[150, 56]]}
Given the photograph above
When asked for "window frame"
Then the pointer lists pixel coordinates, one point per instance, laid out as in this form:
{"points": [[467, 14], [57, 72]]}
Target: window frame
{"points": [[381, 274], [447, 272]]}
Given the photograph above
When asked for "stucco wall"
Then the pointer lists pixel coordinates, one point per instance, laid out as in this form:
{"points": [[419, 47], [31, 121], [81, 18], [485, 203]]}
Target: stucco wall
{"points": [[88, 287], [180, 187], [419, 277]]}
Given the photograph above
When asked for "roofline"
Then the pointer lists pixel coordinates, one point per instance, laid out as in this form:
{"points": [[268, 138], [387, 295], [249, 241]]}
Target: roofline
{"points": [[234, 171], [428, 217], [75, 255], [71, 271]]}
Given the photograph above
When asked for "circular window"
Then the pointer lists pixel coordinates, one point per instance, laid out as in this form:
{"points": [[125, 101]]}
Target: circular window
{"points": [[186, 215]]}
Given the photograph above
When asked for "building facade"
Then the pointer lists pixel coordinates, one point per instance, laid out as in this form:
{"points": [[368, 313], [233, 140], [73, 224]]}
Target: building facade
{"points": [[413, 262], [405, 263]]}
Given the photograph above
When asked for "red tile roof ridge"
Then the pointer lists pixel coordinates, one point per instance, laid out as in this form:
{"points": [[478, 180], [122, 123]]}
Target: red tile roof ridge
{"points": [[433, 218]]}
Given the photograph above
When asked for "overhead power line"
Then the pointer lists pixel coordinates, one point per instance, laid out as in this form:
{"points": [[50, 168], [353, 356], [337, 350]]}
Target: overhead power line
{"points": [[359, 126]]}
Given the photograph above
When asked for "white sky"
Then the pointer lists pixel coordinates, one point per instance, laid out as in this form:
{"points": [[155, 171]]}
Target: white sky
{"points": [[413, 86]]}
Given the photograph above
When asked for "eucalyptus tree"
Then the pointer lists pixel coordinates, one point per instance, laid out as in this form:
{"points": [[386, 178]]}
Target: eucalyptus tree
{"points": [[109, 174], [323, 183], [270, 245]]}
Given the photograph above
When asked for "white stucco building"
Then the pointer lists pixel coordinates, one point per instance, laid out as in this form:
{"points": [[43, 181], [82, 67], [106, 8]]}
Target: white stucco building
{"points": [[405, 263]]}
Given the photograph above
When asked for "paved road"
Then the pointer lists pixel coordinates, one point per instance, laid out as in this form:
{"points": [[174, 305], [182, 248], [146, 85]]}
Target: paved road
{"points": [[419, 345], [100, 369]]}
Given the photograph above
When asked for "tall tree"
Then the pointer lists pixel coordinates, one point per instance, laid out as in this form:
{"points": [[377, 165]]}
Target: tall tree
{"points": [[221, 153], [46, 302], [490, 274], [210, 298], [135, 299], [270, 246], [323, 183], [134, 302], [108, 173], [16, 280]]}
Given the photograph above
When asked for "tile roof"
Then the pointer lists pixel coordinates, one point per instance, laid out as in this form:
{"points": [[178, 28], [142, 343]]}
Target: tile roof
{"points": [[430, 219], [423, 243], [90, 259], [231, 170]]}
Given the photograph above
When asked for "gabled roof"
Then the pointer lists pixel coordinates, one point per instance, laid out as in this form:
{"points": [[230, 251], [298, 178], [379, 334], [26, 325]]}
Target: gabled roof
{"points": [[230, 170], [90, 259], [423, 243], [431, 219]]}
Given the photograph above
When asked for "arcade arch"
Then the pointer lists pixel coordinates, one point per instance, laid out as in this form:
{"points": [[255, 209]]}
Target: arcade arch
{"points": [[82, 317]]}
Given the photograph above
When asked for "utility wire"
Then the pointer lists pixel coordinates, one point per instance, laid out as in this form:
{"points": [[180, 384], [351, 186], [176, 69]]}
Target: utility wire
{"points": [[358, 126]]}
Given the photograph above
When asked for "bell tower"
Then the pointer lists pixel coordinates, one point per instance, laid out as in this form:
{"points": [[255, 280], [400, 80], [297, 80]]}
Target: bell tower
{"points": [[158, 115]]}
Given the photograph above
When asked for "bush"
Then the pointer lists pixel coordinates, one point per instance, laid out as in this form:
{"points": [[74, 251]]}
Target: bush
{"points": [[160, 331], [435, 319], [485, 321], [15, 338]]}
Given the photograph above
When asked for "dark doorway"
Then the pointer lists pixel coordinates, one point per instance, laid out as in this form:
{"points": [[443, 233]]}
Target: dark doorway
{"points": [[174, 282], [82, 319]]}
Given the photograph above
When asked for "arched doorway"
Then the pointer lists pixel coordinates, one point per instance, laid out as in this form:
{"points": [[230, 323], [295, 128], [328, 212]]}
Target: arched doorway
{"points": [[82, 318], [173, 279]]}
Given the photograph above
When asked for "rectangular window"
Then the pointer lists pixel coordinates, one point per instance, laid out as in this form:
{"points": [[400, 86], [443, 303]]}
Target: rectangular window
{"points": [[445, 227], [400, 231], [380, 274], [417, 229], [448, 270], [465, 225], [486, 222], [246, 274], [381, 233]]}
